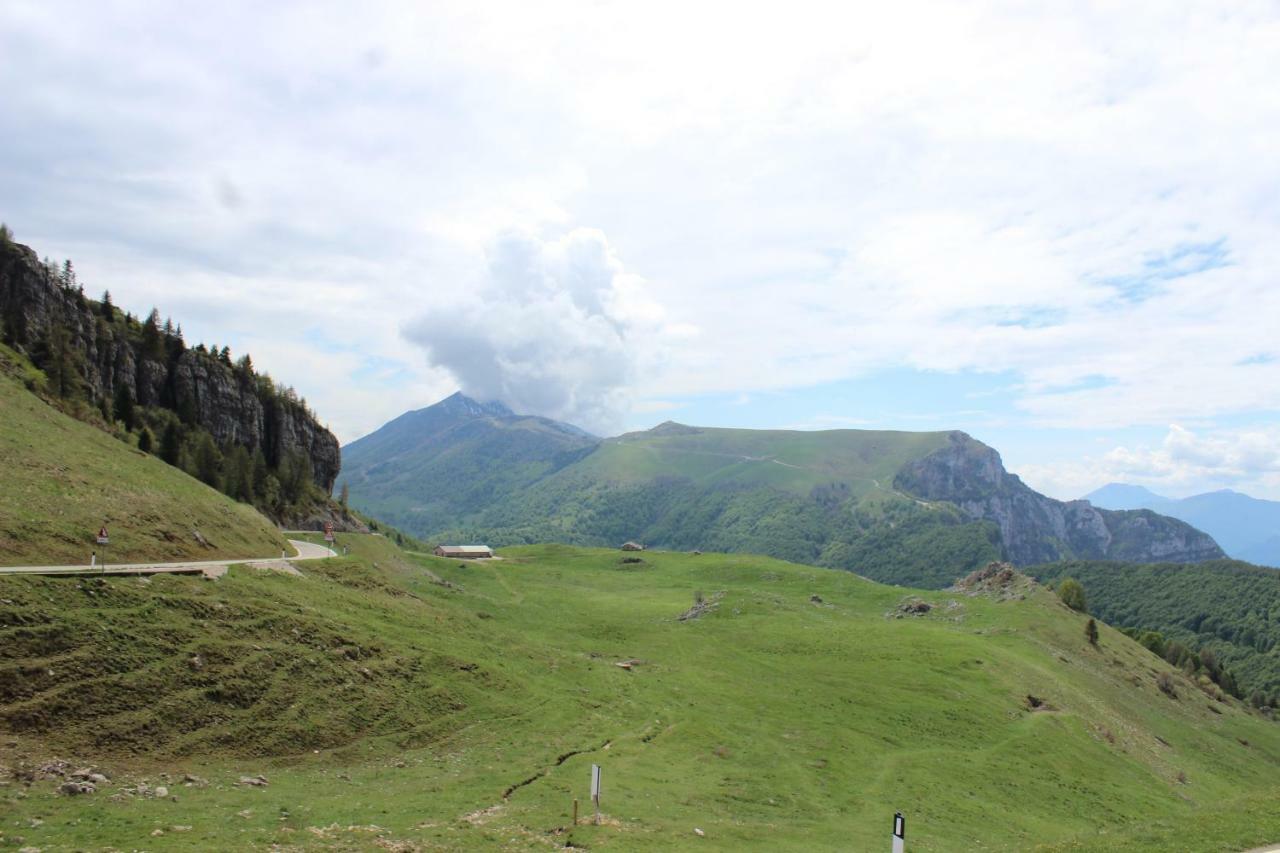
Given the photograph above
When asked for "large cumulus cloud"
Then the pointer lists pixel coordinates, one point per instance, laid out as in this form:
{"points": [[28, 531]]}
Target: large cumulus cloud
{"points": [[555, 327]]}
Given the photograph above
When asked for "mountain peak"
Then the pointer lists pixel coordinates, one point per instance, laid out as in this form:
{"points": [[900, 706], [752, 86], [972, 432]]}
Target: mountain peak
{"points": [[461, 404]]}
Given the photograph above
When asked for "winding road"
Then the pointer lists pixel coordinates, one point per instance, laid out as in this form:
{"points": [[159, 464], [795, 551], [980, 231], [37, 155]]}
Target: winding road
{"points": [[208, 568]]}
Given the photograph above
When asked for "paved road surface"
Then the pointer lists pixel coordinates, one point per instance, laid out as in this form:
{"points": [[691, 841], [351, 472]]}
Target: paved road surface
{"points": [[210, 568]]}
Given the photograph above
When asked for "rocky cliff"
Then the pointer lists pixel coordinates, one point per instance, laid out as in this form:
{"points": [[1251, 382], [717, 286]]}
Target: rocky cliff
{"points": [[41, 310], [1037, 529]]}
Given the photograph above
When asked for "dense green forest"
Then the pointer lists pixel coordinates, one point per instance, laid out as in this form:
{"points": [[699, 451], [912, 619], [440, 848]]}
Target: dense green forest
{"points": [[1227, 608]]}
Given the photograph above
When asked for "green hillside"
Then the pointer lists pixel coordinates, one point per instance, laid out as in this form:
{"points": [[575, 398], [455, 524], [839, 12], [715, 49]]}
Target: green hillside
{"points": [[404, 702], [1227, 606], [794, 461], [61, 479], [899, 507]]}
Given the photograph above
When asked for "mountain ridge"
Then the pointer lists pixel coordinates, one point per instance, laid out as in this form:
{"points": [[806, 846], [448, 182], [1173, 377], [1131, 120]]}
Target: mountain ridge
{"points": [[1247, 528], [899, 506]]}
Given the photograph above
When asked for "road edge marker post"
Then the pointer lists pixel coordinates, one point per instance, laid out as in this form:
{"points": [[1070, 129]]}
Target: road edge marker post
{"points": [[595, 790], [899, 832]]}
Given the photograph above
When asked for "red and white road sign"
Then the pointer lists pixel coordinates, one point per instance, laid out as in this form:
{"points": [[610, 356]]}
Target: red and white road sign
{"points": [[328, 531], [102, 536]]}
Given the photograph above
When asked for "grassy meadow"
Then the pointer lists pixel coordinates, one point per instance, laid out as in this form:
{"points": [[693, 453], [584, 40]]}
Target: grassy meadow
{"points": [[399, 701]]}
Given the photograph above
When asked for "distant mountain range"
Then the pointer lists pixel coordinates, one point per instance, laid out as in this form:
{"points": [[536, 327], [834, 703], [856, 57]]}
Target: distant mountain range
{"points": [[919, 508], [1247, 528]]}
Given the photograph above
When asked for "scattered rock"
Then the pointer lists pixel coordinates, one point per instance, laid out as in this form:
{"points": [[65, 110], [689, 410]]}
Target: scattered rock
{"points": [[246, 814], [52, 768], [697, 553], [701, 607], [630, 560], [199, 537], [190, 781], [258, 781], [628, 664], [815, 599], [196, 662], [179, 829], [73, 789], [914, 607], [699, 832], [156, 833], [1001, 580], [161, 791]]}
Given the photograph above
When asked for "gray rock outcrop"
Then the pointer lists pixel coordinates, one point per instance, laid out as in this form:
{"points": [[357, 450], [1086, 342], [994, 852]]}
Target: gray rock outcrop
{"points": [[226, 401], [1038, 529]]}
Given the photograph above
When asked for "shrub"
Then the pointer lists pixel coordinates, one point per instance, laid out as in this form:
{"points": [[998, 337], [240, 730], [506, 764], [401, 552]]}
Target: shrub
{"points": [[1165, 682], [1071, 591], [1091, 632]]}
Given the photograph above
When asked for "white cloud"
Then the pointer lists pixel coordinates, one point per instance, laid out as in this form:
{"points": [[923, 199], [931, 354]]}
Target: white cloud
{"points": [[1184, 462], [556, 328], [811, 191]]}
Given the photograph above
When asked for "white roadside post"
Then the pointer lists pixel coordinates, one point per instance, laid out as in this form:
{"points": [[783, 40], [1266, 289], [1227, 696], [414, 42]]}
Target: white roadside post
{"points": [[595, 790], [899, 832]]}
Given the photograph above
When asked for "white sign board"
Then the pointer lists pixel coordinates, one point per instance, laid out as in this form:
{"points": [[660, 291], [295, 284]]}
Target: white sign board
{"points": [[595, 782], [102, 536]]}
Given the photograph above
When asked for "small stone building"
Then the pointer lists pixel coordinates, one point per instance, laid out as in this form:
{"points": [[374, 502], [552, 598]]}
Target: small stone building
{"points": [[464, 552], [632, 546]]}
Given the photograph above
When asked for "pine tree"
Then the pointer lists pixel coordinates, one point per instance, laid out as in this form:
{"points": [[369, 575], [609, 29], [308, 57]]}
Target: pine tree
{"points": [[6, 235], [1091, 632], [171, 444], [123, 406], [146, 441], [208, 461], [344, 495], [58, 360], [108, 310], [68, 274], [152, 341]]}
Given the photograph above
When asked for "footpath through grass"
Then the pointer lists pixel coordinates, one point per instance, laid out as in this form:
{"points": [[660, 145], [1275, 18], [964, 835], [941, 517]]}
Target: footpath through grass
{"points": [[401, 699]]}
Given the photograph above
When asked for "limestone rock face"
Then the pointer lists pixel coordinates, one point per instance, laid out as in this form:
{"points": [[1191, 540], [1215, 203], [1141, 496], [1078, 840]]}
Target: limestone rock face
{"points": [[1038, 529], [199, 386]]}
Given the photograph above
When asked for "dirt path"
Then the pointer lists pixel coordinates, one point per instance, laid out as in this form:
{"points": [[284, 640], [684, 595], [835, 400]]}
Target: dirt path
{"points": [[209, 568]]}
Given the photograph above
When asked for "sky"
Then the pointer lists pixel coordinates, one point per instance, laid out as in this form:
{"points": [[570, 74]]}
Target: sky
{"points": [[1050, 225]]}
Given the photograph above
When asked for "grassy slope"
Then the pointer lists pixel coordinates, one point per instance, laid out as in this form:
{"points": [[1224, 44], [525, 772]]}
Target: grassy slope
{"points": [[794, 461], [61, 479], [774, 722]]}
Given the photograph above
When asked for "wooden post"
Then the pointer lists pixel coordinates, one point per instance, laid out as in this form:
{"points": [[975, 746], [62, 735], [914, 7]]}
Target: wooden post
{"points": [[575, 811]]}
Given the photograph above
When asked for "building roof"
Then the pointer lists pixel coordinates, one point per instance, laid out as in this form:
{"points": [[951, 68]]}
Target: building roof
{"points": [[466, 549]]}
